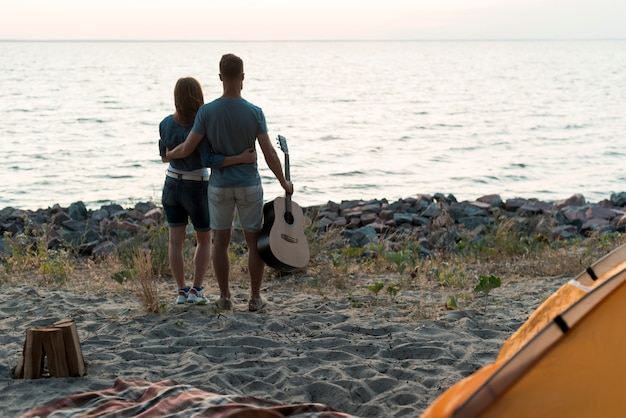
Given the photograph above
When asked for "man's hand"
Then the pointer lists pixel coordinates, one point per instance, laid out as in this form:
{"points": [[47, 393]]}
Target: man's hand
{"points": [[288, 186]]}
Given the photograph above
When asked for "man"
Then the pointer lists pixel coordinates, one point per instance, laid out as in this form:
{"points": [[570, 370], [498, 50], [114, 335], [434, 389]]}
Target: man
{"points": [[232, 124]]}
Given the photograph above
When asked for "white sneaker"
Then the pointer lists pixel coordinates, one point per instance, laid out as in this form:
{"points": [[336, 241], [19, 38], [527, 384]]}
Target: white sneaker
{"points": [[196, 296], [182, 295]]}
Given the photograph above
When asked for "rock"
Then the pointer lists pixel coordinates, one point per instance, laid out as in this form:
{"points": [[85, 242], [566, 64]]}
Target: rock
{"points": [[354, 223], [155, 214], [348, 204], [112, 209], [512, 205], [431, 211], [386, 214], [440, 197], [564, 232], [340, 222], [99, 215], [371, 208], [528, 209], [86, 248], [362, 237], [123, 226], [5, 213], [619, 199], [434, 223], [575, 200], [420, 221], [73, 225], [73, 238], [144, 207], [60, 217], [323, 224], [12, 228], [593, 225], [368, 218], [402, 218], [574, 213], [327, 214], [351, 214], [135, 215], [493, 200], [600, 212], [103, 249], [77, 211], [473, 222], [467, 210]]}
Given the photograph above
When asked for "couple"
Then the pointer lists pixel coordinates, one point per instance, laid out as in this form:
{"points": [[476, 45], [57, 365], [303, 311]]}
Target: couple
{"points": [[221, 135]]}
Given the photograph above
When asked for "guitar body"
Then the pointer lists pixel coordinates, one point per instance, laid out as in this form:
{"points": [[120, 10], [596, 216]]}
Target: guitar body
{"points": [[282, 243]]}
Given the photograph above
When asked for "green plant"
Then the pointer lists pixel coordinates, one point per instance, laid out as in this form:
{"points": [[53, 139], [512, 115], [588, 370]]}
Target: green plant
{"points": [[378, 249], [123, 276], [376, 288], [353, 252], [30, 251], [399, 258], [155, 240], [392, 290], [486, 285], [55, 265], [451, 303], [449, 273]]}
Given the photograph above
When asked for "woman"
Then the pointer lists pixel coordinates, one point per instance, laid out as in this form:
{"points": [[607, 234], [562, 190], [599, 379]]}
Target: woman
{"points": [[185, 189]]}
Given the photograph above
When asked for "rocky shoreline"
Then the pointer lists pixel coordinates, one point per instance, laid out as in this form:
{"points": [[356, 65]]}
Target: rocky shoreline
{"points": [[434, 222]]}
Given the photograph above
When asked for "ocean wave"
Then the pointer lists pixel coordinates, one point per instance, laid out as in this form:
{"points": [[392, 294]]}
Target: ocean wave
{"points": [[358, 134]]}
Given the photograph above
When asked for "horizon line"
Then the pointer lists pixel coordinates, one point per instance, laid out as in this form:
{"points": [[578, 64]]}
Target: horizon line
{"points": [[320, 40]]}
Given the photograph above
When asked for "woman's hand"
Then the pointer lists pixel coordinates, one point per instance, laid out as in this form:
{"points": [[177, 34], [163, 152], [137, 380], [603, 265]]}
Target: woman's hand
{"points": [[248, 156]]}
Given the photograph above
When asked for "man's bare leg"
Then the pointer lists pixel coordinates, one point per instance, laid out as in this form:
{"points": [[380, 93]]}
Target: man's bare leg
{"points": [[256, 266], [221, 262]]}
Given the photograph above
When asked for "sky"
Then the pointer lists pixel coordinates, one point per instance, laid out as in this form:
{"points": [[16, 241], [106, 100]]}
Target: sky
{"points": [[311, 20]]}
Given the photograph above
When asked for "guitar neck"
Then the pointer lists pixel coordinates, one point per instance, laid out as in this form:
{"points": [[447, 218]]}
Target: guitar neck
{"points": [[288, 177]]}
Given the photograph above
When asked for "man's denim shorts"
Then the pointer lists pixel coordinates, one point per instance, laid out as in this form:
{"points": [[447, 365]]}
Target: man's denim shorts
{"points": [[184, 199], [247, 200]]}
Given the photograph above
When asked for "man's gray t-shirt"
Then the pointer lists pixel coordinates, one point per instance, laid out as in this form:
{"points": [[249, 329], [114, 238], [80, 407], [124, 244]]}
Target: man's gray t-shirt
{"points": [[231, 125]]}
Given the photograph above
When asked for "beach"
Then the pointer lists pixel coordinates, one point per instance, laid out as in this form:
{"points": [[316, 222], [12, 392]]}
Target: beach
{"points": [[366, 334], [361, 354]]}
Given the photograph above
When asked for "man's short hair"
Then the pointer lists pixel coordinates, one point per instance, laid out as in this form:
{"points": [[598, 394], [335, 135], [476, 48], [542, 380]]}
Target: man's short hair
{"points": [[231, 66]]}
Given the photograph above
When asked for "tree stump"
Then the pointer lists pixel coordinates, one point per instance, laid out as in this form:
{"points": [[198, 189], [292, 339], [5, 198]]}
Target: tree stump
{"points": [[52, 351]]}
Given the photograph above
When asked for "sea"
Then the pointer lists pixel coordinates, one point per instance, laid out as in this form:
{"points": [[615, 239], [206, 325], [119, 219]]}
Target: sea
{"points": [[362, 119]]}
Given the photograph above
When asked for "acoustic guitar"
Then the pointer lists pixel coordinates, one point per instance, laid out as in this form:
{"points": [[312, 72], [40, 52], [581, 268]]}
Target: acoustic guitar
{"points": [[282, 243]]}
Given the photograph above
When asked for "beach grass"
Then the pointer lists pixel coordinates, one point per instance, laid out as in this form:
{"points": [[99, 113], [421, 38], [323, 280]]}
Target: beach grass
{"points": [[335, 270]]}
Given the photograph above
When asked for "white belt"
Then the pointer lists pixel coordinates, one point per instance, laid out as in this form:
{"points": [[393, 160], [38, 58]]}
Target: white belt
{"points": [[185, 176]]}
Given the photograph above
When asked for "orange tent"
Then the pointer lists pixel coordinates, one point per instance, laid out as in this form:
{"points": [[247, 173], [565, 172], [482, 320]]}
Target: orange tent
{"points": [[567, 360]]}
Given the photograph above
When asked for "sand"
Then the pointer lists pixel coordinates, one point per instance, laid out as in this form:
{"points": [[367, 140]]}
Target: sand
{"points": [[359, 355]]}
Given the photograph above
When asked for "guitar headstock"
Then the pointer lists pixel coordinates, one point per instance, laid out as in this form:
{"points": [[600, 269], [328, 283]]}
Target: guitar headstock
{"points": [[282, 143]]}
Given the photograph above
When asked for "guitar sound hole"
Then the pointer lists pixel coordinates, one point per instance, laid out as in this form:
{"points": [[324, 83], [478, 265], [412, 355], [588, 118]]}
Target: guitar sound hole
{"points": [[289, 218]]}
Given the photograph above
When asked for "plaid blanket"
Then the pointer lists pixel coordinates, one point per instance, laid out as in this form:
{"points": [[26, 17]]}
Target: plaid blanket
{"points": [[136, 398]]}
